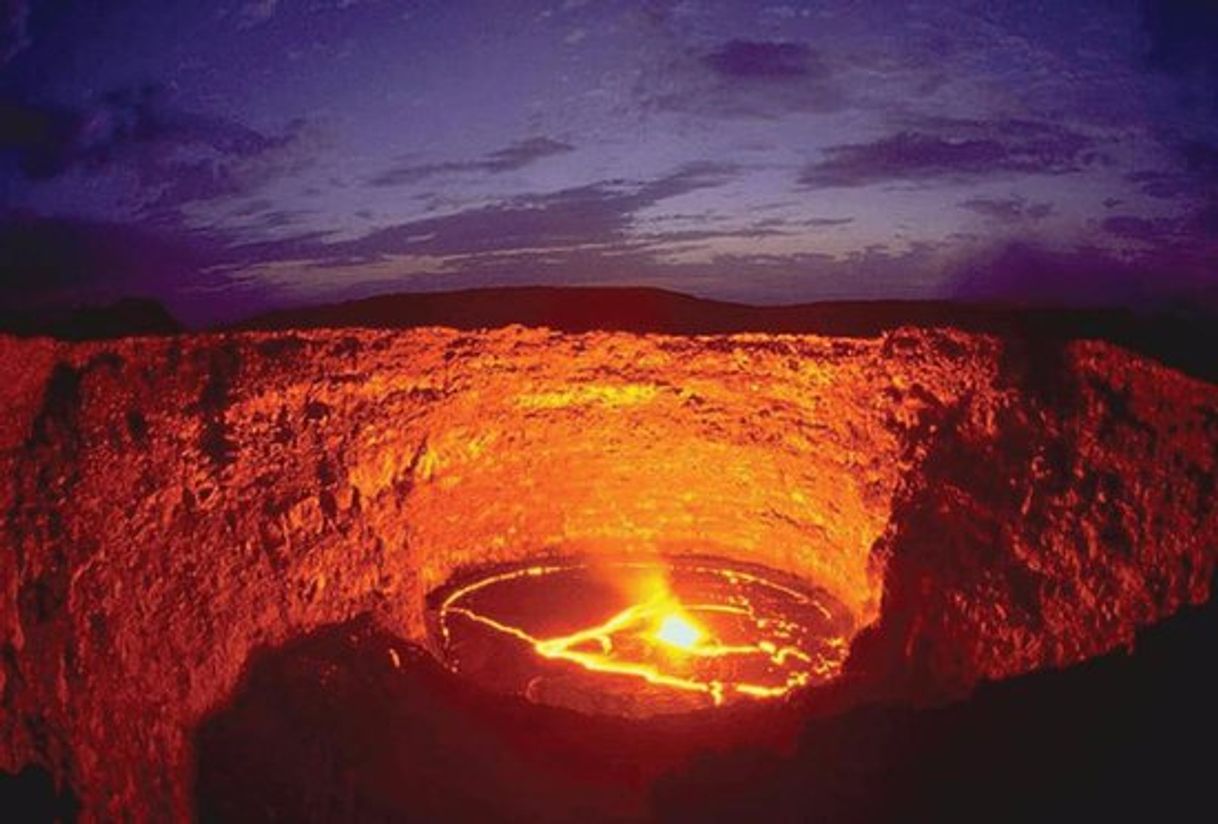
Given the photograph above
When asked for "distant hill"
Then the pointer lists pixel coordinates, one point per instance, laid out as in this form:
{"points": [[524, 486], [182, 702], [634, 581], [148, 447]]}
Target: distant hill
{"points": [[1188, 344], [124, 318]]}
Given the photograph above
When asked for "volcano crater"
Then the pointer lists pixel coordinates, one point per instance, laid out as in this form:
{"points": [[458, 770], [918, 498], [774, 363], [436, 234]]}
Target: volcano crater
{"points": [[973, 509]]}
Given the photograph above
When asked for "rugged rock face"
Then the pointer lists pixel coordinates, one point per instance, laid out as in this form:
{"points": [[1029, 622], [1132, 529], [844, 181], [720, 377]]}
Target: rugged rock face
{"points": [[172, 505], [1047, 518]]}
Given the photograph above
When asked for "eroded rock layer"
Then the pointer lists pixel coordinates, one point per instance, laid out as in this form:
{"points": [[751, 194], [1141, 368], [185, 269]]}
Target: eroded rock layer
{"points": [[171, 505]]}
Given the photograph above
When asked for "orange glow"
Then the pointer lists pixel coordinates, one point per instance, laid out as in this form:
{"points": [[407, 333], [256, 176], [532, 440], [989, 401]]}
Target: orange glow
{"points": [[726, 649]]}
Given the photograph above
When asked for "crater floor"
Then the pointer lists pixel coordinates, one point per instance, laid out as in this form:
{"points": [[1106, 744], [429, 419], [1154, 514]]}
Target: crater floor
{"points": [[640, 637]]}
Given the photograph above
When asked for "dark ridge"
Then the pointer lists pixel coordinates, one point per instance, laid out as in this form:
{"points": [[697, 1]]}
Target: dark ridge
{"points": [[129, 317], [1182, 341]]}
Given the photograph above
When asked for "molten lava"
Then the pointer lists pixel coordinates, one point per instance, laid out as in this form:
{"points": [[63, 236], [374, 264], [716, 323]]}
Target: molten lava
{"points": [[677, 637], [675, 630]]}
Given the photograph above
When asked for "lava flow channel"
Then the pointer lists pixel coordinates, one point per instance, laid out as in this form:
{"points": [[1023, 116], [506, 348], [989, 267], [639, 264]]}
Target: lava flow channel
{"points": [[677, 636]]}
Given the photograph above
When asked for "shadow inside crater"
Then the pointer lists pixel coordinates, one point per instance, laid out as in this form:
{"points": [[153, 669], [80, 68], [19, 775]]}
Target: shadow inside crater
{"points": [[31, 795], [1120, 737], [351, 723]]}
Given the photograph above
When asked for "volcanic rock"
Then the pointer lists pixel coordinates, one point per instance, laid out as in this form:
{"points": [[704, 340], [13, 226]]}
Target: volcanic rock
{"points": [[173, 505]]}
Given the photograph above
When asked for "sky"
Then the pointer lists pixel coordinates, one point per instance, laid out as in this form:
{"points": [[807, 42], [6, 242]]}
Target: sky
{"points": [[228, 158]]}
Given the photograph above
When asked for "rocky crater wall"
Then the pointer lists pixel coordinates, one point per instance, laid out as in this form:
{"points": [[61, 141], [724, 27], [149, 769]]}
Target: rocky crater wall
{"points": [[982, 507]]}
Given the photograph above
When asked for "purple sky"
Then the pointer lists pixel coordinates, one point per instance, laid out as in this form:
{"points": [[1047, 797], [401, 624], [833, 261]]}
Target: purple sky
{"points": [[228, 157]]}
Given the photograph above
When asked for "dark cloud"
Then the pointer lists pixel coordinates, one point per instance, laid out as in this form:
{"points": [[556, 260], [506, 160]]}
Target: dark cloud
{"points": [[972, 149], [1192, 173], [255, 12], [1196, 229], [1205, 220], [48, 261], [1192, 181], [693, 236], [599, 213], [1146, 230], [254, 207], [820, 222], [1200, 159], [508, 159], [1007, 210], [14, 28], [211, 175], [762, 59], [47, 140], [741, 79], [808, 223], [196, 181], [1084, 276], [1183, 42], [521, 154], [1161, 184]]}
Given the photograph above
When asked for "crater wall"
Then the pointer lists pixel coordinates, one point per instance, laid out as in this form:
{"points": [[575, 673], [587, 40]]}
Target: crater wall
{"points": [[171, 505]]}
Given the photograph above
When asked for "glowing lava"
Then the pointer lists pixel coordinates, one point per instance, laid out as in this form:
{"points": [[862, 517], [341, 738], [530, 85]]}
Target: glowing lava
{"points": [[678, 636], [677, 632]]}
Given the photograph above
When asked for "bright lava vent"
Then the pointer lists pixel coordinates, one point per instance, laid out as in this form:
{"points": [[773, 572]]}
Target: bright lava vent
{"points": [[640, 638]]}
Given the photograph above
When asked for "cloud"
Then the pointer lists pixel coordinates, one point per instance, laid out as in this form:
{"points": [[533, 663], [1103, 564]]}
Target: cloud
{"points": [[968, 149], [740, 79], [1182, 36], [764, 59], [592, 234], [1162, 184], [255, 12], [522, 153], [594, 214], [193, 173], [172, 157], [1191, 180], [48, 140], [14, 28], [1146, 230], [805, 223], [64, 261], [1192, 173], [1007, 210], [508, 159], [1028, 273], [520, 242], [1200, 159]]}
